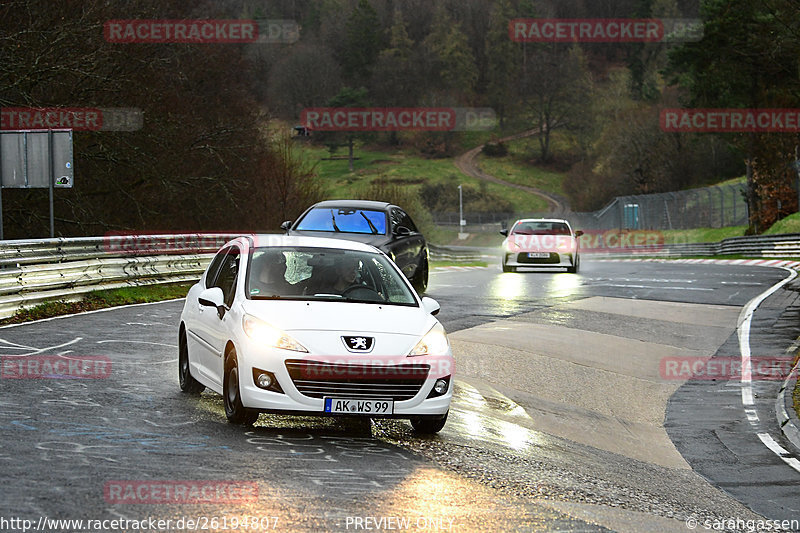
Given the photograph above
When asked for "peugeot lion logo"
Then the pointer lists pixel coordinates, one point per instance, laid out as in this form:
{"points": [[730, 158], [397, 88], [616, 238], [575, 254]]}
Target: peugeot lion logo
{"points": [[358, 344]]}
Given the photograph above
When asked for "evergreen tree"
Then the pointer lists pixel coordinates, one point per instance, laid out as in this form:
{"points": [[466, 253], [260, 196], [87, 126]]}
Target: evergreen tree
{"points": [[363, 41]]}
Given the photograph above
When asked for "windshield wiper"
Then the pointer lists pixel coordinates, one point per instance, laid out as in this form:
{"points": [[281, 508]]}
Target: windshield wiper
{"points": [[333, 221], [371, 225]]}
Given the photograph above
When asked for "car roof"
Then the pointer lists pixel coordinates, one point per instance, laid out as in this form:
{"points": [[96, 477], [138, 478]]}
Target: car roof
{"points": [[300, 241], [358, 204], [542, 220]]}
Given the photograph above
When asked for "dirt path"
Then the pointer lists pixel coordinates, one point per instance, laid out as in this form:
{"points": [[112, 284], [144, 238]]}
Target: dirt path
{"points": [[466, 164]]}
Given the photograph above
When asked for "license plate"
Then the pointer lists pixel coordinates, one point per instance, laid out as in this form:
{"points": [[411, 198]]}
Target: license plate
{"points": [[359, 407], [538, 255]]}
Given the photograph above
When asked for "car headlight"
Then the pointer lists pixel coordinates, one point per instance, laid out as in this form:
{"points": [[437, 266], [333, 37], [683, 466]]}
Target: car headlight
{"points": [[433, 343], [263, 333]]}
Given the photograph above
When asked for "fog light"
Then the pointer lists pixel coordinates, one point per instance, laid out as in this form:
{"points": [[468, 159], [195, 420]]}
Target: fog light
{"points": [[264, 381], [440, 387]]}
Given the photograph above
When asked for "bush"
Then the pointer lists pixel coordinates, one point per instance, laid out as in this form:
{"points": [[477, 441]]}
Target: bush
{"points": [[404, 197], [443, 197], [495, 149]]}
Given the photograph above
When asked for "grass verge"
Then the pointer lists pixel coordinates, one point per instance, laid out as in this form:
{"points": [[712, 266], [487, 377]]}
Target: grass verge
{"points": [[435, 264], [790, 224], [683, 236], [101, 299]]}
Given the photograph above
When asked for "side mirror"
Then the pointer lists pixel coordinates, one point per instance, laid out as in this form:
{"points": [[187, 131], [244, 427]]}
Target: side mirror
{"points": [[431, 305], [578, 233], [213, 297], [504, 231], [402, 231], [286, 224]]}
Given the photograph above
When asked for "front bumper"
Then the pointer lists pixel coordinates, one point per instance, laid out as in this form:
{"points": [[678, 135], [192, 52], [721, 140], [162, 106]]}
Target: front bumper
{"points": [[553, 260], [293, 401]]}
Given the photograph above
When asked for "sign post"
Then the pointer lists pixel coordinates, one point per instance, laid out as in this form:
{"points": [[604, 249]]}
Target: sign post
{"points": [[35, 159]]}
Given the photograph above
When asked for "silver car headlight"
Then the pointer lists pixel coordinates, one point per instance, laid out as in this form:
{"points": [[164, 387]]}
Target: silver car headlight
{"points": [[263, 333], [434, 342]]}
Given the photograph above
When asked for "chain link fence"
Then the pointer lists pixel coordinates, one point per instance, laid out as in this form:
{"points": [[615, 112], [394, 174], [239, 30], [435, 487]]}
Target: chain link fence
{"points": [[707, 207]]}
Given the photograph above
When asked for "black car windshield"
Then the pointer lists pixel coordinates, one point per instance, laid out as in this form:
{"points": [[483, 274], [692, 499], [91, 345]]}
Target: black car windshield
{"points": [[344, 220], [278, 273]]}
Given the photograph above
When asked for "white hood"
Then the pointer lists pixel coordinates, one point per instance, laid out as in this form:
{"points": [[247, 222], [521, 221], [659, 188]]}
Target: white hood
{"points": [[319, 325]]}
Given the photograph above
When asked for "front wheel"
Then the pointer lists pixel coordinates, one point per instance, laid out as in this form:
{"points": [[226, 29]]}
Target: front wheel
{"points": [[420, 281], [574, 268], [234, 410], [185, 379], [507, 268], [428, 424]]}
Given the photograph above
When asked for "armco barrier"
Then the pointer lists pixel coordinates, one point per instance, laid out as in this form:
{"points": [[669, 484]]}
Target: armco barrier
{"points": [[36, 271], [448, 253], [39, 270], [785, 246]]}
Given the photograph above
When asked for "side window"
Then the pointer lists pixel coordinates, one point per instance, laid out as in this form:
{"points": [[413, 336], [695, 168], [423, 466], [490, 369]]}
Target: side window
{"points": [[406, 221], [228, 272], [400, 218], [213, 268], [394, 215]]}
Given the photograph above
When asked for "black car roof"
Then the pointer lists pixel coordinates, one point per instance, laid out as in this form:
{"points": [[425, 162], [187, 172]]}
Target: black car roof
{"points": [[357, 204]]}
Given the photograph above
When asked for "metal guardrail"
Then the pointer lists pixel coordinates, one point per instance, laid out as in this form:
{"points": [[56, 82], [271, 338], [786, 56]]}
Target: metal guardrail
{"points": [[786, 246], [41, 270], [447, 253], [36, 271]]}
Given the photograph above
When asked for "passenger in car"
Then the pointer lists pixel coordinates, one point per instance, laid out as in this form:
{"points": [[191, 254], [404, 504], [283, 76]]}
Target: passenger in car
{"points": [[271, 278]]}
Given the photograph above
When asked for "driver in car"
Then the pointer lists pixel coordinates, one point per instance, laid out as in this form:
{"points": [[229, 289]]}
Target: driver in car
{"points": [[346, 274]]}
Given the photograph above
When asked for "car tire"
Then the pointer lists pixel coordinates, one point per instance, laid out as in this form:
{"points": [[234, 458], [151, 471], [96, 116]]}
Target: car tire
{"points": [[507, 268], [574, 268], [420, 281], [235, 412], [428, 424], [185, 379]]}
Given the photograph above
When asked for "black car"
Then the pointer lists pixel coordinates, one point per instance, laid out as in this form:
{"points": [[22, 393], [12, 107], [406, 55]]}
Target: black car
{"points": [[380, 224]]}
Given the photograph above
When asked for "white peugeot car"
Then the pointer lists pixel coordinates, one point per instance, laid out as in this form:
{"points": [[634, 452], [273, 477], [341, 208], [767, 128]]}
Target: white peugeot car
{"points": [[307, 325], [541, 243]]}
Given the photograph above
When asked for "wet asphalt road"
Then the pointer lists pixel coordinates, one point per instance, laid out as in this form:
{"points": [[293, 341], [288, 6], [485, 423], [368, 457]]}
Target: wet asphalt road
{"points": [[64, 441]]}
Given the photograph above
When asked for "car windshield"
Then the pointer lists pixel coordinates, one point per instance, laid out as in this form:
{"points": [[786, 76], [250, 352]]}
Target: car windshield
{"points": [[344, 220], [541, 228], [325, 274]]}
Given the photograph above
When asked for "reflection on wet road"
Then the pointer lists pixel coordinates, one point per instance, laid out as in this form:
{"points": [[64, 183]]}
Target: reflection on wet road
{"points": [[496, 466]]}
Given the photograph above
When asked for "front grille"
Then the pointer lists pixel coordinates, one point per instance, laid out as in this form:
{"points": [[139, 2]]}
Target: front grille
{"points": [[523, 258], [390, 382]]}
